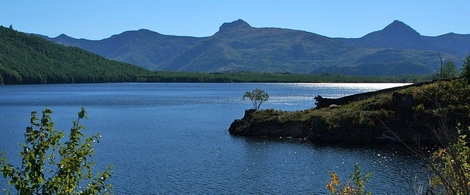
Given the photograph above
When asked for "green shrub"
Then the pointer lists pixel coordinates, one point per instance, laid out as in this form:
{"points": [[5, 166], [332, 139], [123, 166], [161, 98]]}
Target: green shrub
{"points": [[451, 168], [42, 173]]}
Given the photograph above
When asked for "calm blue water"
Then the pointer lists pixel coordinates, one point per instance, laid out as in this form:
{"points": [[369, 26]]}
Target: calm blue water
{"points": [[173, 139]]}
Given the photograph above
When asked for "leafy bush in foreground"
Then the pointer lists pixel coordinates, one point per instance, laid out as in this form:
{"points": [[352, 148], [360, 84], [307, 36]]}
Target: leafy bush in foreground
{"points": [[355, 186], [451, 168], [42, 173]]}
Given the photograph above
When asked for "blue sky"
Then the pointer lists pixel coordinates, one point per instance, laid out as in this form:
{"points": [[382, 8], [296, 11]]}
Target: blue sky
{"points": [[98, 19]]}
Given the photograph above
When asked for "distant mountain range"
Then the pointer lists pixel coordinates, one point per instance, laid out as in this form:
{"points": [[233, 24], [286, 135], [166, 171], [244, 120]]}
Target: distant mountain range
{"points": [[237, 46]]}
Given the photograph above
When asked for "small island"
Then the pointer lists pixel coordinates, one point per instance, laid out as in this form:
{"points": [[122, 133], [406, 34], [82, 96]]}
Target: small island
{"points": [[425, 113]]}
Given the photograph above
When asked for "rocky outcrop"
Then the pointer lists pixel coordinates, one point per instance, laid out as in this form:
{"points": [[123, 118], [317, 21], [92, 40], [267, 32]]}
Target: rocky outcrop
{"points": [[274, 127], [314, 129], [344, 120]]}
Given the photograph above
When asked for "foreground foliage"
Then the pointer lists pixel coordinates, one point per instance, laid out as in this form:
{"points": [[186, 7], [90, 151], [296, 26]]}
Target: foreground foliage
{"points": [[355, 186], [451, 168], [50, 166], [450, 164]]}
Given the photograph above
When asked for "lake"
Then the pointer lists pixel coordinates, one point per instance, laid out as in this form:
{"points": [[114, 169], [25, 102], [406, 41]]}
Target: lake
{"points": [[172, 138]]}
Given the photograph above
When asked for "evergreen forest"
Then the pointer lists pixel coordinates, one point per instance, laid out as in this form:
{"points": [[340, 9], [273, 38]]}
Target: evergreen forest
{"points": [[28, 59]]}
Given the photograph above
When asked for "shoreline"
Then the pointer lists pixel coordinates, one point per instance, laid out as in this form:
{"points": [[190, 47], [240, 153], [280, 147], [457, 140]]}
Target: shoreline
{"points": [[384, 116]]}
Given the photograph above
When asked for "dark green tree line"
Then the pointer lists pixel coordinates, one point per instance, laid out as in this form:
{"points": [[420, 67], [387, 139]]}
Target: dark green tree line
{"points": [[28, 59]]}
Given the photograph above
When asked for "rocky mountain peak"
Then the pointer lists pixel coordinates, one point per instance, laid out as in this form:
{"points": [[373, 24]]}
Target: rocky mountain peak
{"points": [[398, 27], [63, 36], [235, 24]]}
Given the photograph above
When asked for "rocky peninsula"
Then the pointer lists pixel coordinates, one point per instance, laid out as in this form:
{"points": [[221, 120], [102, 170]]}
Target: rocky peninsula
{"points": [[423, 113]]}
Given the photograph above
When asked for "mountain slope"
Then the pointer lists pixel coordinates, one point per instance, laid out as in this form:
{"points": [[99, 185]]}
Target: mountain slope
{"points": [[237, 46], [395, 35], [398, 35], [459, 44], [142, 47], [30, 59]]}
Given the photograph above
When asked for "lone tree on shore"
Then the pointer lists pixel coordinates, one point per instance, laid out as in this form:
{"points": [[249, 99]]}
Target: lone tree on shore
{"points": [[257, 97]]}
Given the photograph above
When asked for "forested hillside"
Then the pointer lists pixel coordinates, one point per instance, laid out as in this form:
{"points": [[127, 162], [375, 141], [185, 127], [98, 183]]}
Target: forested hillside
{"points": [[27, 59]]}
